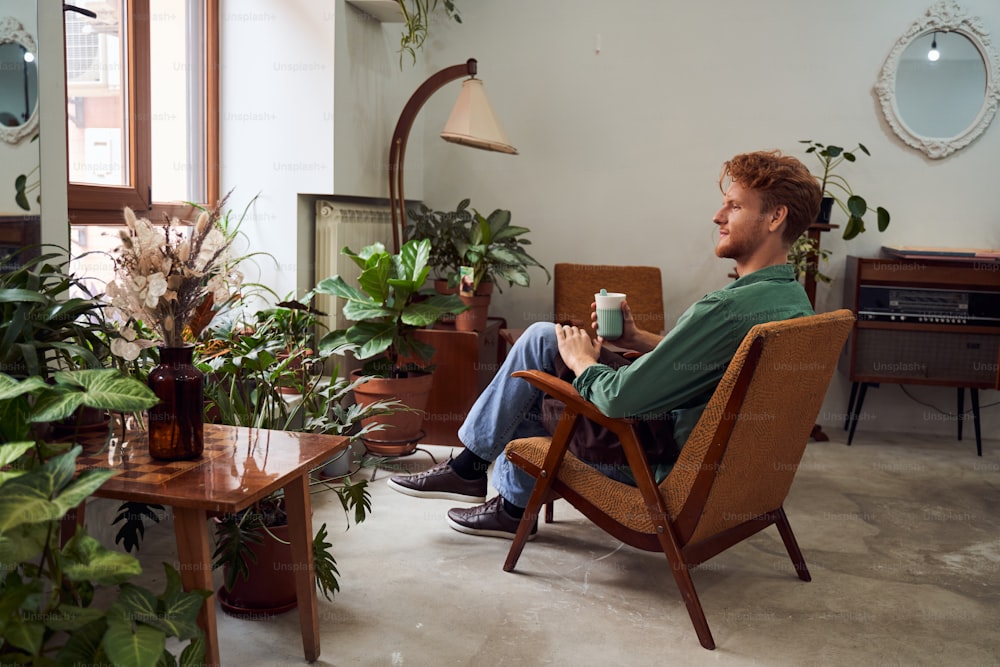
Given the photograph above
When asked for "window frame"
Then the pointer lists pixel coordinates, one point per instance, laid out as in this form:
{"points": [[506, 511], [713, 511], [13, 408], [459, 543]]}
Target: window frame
{"points": [[103, 204]]}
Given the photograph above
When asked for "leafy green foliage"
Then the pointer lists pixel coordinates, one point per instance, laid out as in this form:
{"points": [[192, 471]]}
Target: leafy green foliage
{"points": [[493, 247], [445, 230], [834, 185], [47, 591], [416, 20], [49, 319], [494, 250], [237, 534], [388, 308]]}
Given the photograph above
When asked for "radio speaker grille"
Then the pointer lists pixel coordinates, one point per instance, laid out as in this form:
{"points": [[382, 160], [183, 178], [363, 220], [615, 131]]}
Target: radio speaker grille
{"points": [[957, 358]]}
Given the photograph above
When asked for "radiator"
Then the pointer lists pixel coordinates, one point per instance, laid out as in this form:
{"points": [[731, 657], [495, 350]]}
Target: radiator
{"points": [[340, 224]]}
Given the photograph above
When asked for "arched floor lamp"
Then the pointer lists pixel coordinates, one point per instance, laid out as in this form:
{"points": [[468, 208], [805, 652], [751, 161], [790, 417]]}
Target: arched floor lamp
{"points": [[471, 123]]}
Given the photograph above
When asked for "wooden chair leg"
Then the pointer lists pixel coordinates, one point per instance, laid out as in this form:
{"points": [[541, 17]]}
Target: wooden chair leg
{"points": [[686, 586], [791, 546], [550, 511], [527, 522]]}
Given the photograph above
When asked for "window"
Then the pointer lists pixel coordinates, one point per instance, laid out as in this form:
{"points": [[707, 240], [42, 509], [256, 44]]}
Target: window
{"points": [[142, 100]]}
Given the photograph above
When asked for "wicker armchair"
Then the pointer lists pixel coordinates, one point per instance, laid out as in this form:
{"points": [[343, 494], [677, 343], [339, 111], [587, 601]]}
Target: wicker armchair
{"points": [[734, 472]]}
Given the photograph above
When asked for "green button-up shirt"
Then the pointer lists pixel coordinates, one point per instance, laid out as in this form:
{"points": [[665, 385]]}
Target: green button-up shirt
{"points": [[680, 374]]}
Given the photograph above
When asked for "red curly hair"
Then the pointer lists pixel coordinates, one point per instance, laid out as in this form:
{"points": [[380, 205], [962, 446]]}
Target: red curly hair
{"points": [[780, 180]]}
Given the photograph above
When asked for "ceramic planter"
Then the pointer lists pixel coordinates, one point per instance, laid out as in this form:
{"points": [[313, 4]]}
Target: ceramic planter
{"points": [[403, 429], [270, 588]]}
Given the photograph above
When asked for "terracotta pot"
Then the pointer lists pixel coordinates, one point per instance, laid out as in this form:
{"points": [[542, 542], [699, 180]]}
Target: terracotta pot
{"points": [[401, 430], [441, 286], [270, 588], [475, 317], [299, 367]]}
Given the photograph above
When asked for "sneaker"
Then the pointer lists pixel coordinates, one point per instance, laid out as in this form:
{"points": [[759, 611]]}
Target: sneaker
{"points": [[440, 482], [489, 520]]}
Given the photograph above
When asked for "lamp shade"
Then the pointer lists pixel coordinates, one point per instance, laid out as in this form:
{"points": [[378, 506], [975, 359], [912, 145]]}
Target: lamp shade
{"points": [[472, 122]]}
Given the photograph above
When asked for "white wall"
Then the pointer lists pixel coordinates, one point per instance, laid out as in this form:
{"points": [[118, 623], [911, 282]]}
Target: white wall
{"points": [[620, 151], [286, 130]]}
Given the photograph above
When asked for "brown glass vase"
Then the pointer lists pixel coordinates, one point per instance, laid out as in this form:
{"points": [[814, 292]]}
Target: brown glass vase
{"points": [[176, 425]]}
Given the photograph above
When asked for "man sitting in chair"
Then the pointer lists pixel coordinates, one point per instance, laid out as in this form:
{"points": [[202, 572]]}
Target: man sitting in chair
{"points": [[769, 200]]}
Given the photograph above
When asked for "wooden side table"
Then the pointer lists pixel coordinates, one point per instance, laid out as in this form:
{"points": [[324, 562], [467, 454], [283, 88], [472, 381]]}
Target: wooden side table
{"points": [[465, 363], [239, 467]]}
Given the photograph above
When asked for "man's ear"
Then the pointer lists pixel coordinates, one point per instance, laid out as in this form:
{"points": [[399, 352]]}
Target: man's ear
{"points": [[778, 216]]}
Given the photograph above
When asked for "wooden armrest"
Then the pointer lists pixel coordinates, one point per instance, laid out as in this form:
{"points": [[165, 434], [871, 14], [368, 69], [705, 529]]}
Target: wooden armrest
{"points": [[565, 392]]}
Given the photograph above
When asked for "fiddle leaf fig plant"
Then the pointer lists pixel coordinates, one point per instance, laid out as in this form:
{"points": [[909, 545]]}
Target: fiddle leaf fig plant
{"points": [[836, 186], [388, 308]]}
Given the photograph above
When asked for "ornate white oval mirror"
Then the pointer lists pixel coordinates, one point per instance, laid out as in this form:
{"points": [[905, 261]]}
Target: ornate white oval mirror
{"points": [[18, 82], [939, 86]]}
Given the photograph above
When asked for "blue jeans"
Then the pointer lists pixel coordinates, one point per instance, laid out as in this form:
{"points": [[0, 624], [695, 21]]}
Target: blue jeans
{"points": [[510, 408]]}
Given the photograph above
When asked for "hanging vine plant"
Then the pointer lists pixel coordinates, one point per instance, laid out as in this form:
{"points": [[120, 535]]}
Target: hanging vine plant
{"points": [[416, 17]]}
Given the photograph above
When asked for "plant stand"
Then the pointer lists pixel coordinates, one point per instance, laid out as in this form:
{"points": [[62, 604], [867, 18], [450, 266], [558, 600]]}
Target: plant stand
{"points": [[814, 231]]}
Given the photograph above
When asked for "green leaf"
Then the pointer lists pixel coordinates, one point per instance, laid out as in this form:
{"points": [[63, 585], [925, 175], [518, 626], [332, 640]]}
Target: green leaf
{"points": [[108, 389], [883, 219], [68, 617], [336, 286], [857, 206], [56, 405], [11, 388], [374, 280], [193, 654], [25, 635], [324, 564], [85, 559], [84, 646], [178, 615], [25, 500], [358, 312], [133, 645], [15, 295], [136, 604], [12, 451], [854, 227], [23, 543]]}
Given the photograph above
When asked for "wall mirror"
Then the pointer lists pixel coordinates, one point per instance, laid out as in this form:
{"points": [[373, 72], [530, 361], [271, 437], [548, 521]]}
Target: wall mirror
{"points": [[939, 86], [18, 82]]}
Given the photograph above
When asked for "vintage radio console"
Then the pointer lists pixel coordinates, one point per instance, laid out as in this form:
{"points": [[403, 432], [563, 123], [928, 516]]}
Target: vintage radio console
{"points": [[931, 321], [896, 303]]}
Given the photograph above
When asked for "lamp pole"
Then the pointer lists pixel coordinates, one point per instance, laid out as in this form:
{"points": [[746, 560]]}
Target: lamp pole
{"points": [[397, 149]]}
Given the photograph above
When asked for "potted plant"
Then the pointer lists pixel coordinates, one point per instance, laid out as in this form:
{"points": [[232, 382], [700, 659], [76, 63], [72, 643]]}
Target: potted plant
{"points": [[245, 371], [805, 254], [836, 188], [74, 604], [444, 229], [491, 250], [387, 309], [248, 366]]}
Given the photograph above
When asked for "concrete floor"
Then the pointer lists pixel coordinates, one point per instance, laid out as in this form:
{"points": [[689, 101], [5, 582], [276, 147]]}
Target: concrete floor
{"points": [[901, 534]]}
